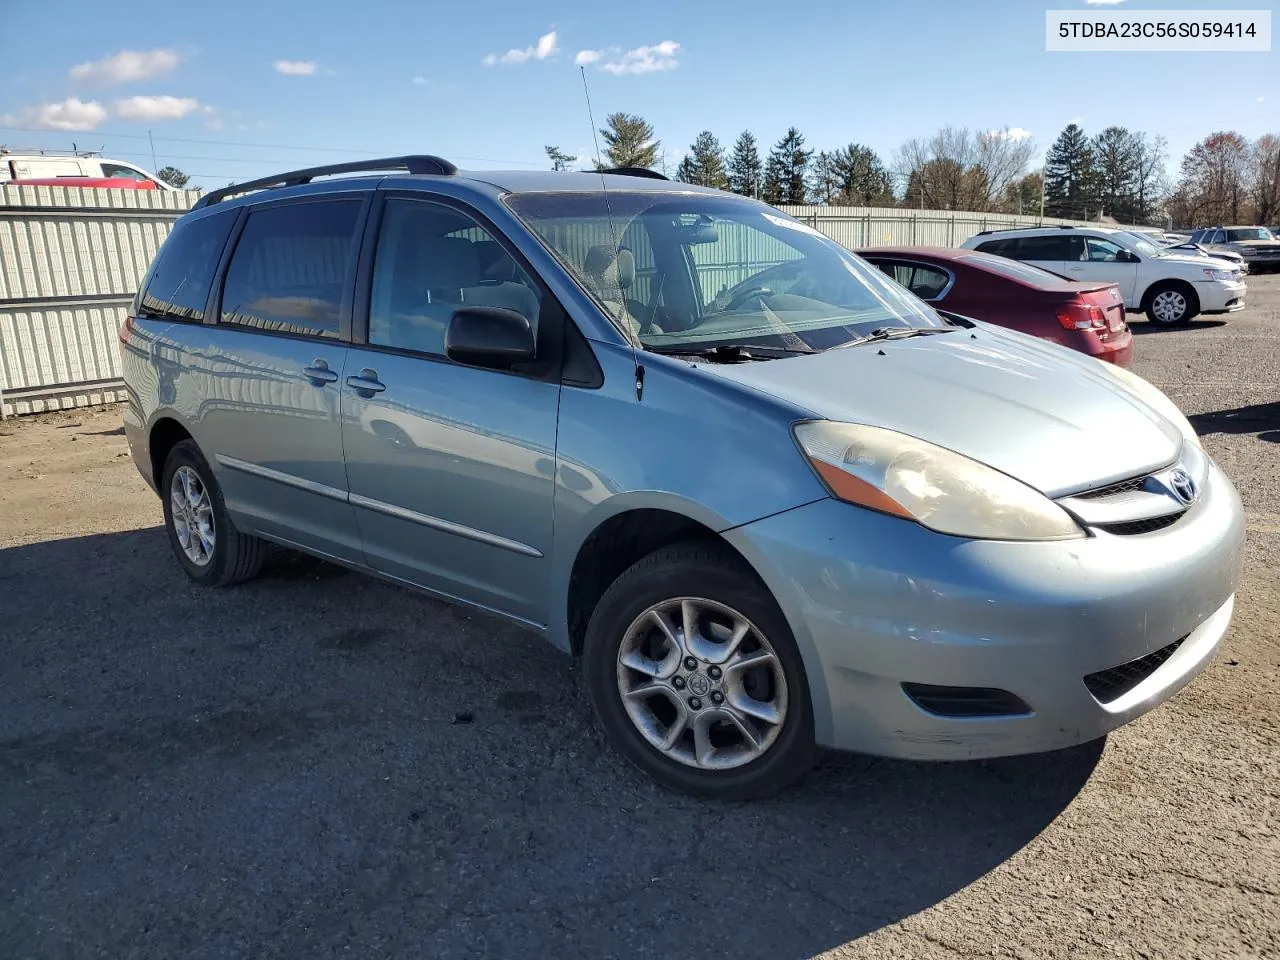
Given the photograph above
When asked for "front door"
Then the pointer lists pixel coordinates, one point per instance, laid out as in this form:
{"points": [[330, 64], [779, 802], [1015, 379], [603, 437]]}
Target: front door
{"points": [[451, 468], [273, 365], [1100, 260]]}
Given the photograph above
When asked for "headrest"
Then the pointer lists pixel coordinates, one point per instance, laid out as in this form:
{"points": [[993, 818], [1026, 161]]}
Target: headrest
{"points": [[609, 268], [448, 262]]}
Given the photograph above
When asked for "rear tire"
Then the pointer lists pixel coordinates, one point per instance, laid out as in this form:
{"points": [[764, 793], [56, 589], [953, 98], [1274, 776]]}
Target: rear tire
{"points": [[738, 723], [1172, 304], [209, 548]]}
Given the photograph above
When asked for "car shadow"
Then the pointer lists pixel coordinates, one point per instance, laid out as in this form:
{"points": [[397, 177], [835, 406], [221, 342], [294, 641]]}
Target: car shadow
{"points": [[1260, 418], [1144, 326], [321, 760]]}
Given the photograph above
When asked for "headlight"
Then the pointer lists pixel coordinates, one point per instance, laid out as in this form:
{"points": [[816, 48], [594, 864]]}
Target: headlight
{"points": [[942, 490], [1218, 274], [1156, 400]]}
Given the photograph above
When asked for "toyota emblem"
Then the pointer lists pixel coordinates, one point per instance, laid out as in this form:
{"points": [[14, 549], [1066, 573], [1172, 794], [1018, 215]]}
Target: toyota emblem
{"points": [[1184, 487]]}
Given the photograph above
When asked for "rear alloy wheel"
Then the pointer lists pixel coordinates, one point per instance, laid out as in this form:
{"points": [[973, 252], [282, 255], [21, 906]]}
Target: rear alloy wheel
{"points": [[1171, 305], [207, 544], [696, 678]]}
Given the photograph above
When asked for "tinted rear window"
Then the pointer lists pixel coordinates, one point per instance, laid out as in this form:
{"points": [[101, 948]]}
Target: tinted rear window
{"points": [[290, 267], [184, 269]]}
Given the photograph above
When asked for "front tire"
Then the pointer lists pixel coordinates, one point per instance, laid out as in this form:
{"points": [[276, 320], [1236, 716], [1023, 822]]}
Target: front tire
{"points": [[1172, 304], [210, 549], [696, 678]]}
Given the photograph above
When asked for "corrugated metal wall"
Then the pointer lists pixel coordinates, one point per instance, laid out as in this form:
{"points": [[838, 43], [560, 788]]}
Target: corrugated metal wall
{"points": [[70, 262]]}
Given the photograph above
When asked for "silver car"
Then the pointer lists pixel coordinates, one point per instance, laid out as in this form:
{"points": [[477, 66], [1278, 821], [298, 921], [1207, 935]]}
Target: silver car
{"points": [[806, 514]]}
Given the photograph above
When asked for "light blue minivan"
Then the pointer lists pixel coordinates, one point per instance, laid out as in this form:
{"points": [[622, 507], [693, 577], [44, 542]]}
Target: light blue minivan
{"points": [[768, 517]]}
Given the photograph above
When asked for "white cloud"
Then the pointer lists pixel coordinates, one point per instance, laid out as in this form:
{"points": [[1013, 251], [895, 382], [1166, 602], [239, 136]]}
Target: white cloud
{"points": [[420, 81], [297, 68], [1103, 3], [127, 66], [68, 114], [651, 59], [155, 108], [1011, 133], [546, 46], [1260, 99]]}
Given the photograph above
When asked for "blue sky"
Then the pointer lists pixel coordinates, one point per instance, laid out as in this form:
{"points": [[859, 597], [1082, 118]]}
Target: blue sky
{"points": [[275, 84]]}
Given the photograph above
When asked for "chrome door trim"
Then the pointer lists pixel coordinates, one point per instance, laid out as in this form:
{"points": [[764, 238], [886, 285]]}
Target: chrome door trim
{"points": [[279, 476], [446, 526]]}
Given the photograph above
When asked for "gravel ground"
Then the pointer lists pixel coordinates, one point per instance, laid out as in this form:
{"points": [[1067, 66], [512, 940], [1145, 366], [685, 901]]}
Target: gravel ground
{"points": [[279, 770]]}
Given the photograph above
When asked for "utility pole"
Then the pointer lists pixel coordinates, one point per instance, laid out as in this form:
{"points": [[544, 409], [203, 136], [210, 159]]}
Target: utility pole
{"points": [[154, 165]]}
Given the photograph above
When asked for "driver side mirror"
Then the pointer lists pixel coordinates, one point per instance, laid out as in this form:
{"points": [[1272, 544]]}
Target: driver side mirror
{"points": [[1126, 256], [491, 337]]}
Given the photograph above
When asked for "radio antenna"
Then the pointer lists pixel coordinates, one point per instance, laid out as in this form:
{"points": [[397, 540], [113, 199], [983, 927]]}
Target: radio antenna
{"points": [[604, 187]]}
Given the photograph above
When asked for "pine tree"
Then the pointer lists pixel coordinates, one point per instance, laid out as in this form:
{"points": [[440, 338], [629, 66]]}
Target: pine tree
{"points": [[863, 179], [1070, 176], [824, 184], [559, 159], [784, 174], [705, 164], [629, 140], [1115, 152], [744, 166]]}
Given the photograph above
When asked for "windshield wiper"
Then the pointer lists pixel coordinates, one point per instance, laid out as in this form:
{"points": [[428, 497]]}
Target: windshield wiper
{"points": [[731, 352], [893, 333]]}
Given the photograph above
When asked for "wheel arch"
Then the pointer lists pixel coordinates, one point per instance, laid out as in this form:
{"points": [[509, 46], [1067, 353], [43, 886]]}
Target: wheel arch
{"points": [[621, 536], [1171, 283]]}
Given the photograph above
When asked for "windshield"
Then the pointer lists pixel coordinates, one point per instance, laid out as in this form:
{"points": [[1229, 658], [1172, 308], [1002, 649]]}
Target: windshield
{"points": [[1249, 233], [679, 271], [1143, 245]]}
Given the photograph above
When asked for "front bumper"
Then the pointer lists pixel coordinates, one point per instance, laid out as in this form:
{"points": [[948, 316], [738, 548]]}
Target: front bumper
{"points": [[1217, 296], [876, 602]]}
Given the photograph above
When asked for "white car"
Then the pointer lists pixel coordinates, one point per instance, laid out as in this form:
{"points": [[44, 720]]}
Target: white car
{"points": [[47, 167], [1169, 286]]}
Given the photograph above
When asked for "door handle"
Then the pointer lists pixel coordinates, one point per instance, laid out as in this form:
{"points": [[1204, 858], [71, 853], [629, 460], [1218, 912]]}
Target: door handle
{"points": [[367, 383], [319, 373]]}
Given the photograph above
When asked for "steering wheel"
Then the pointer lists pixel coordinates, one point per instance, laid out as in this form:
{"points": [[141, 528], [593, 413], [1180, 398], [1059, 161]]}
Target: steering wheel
{"points": [[739, 298]]}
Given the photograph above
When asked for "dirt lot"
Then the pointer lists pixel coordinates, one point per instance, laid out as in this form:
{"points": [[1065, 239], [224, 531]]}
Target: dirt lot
{"points": [[276, 770]]}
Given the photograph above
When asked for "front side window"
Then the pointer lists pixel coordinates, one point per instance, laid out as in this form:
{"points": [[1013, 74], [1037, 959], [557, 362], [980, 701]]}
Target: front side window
{"points": [[290, 267], [430, 261], [724, 270], [117, 172], [180, 281], [1098, 250]]}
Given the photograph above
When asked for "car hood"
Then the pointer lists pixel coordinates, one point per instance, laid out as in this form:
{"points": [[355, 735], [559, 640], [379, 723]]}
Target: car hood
{"points": [[1197, 260], [1044, 414], [1257, 244]]}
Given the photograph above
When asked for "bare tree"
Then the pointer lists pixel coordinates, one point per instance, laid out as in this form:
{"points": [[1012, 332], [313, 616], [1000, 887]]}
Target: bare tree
{"points": [[1214, 186], [1266, 179], [958, 170]]}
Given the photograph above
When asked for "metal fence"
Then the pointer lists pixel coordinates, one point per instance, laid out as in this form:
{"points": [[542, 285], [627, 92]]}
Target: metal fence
{"points": [[855, 227], [71, 260]]}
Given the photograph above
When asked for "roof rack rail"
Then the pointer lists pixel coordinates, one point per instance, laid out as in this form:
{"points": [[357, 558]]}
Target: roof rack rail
{"points": [[1061, 226], [636, 172], [416, 164]]}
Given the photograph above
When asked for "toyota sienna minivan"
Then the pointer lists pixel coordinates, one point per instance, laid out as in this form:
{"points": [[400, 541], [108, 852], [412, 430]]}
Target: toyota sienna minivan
{"points": [[768, 517]]}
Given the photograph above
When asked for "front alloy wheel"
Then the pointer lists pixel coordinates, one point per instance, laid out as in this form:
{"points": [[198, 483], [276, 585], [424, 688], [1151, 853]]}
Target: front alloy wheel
{"points": [[701, 683], [696, 677]]}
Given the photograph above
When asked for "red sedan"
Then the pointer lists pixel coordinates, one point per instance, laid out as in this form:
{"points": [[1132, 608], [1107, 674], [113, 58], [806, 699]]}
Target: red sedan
{"points": [[1085, 316]]}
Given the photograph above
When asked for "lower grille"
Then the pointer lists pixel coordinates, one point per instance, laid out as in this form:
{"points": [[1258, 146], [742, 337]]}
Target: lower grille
{"points": [[1131, 528], [1110, 685], [965, 701]]}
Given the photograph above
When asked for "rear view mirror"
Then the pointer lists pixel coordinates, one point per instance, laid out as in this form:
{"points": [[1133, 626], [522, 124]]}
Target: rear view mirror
{"points": [[703, 230], [489, 337]]}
